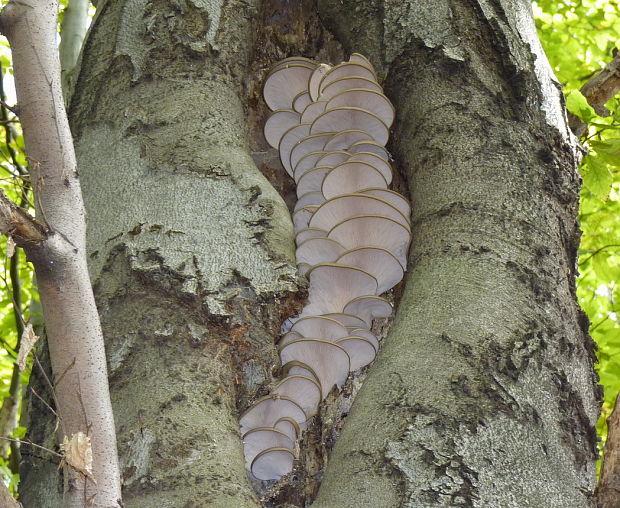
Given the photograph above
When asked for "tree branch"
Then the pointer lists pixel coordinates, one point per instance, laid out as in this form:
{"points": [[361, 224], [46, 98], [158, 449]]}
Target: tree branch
{"points": [[602, 87], [17, 223]]}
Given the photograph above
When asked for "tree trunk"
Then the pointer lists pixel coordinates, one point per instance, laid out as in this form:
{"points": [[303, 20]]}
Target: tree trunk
{"points": [[483, 393]]}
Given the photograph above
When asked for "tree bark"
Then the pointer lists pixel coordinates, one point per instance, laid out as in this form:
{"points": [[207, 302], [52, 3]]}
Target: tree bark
{"points": [[483, 394], [56, 246]]}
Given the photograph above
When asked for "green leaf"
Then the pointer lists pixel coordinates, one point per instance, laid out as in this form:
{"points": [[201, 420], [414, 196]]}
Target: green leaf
{"points": [[577, 104], [597, 177]]}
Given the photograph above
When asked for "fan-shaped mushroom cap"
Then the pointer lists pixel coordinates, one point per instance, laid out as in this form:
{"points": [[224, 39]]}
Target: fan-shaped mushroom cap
{"points": [[272, 463], [315, 80], [393, 198], [360, 351], [376, 161], [268, 410], [309, 199], [373, 231], [319, 250], [288, 141], [369, 307], [312, 111], [312, 180], [289, 336], [333, 158], [370, 100], [329, 361], [320, 326], [284, 83], [306, 234], [302, 216], [362, 60], [378, 262], [350, 177], [350, 83], [344, 139], [261, 438], [295, 367], [343, 118], [302, 389], [278, 123], [367, 334], [348, 320], [332, 286], [300, 101], [311, 143], [289, 426], [307, 162], [369, 146], [337, 209], [345, 70]]}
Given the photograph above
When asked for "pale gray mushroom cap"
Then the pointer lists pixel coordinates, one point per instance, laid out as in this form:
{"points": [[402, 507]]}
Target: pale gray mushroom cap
{"points": [[349, 83], [369, 307], [284, 83], [267, 410], [261, 438], [378, 262], [273, 463], [350, 177], [329, 361], [344, 139], [343, 118], [304, 390], [345, 70], [278, 123]]}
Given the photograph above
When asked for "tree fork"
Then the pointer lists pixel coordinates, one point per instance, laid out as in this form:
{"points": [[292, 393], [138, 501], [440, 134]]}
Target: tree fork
{"points": [[56, 246]]}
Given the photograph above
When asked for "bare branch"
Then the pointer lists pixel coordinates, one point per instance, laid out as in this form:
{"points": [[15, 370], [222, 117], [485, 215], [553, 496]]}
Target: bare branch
{"points": [[602, 87], [17, 223]]}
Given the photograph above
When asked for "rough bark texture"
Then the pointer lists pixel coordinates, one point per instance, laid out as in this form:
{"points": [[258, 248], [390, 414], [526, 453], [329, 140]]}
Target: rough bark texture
{"points": [[483, 394], [608, 489]]}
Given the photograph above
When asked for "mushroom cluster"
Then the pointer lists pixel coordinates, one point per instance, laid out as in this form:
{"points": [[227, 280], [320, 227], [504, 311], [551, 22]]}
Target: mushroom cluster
{"points": [[330, 125]]}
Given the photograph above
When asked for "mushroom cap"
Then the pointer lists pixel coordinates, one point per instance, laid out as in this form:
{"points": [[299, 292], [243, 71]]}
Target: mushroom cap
{"points": [[312, 111], [345, 70], [304, 390], [328, 360], [306, 234], [289, 336], [371, 146], [301, 100], [284, 83], [351, 176], [349, 83], [295, 367], [337, 209], [312, 180], [278, 123], [320, 326], [348, 320], [373, 231], [309, 199], [362, 60], [289, 426], [272, 463], [370, 100], [301, 217], [319, 250], [332, 286], [261, 438], [315, 80], [333, 158], [344, 139], [267, 410], [367, 334], [394, 198], [289, 139], [378, 262], [310, 143], [360, 351], [376, 161], [307, 162], [345, 118], [369, 307]]}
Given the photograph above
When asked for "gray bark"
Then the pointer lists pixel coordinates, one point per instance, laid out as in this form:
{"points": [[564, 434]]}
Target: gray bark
{"points": [[483, 394]]}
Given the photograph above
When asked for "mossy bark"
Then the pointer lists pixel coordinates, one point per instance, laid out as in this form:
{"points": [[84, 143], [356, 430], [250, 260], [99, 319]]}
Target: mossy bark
{"points": [[483, 393]]}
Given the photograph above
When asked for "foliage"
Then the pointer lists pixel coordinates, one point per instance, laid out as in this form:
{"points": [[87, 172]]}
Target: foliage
{"points": [[581, 37]]}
